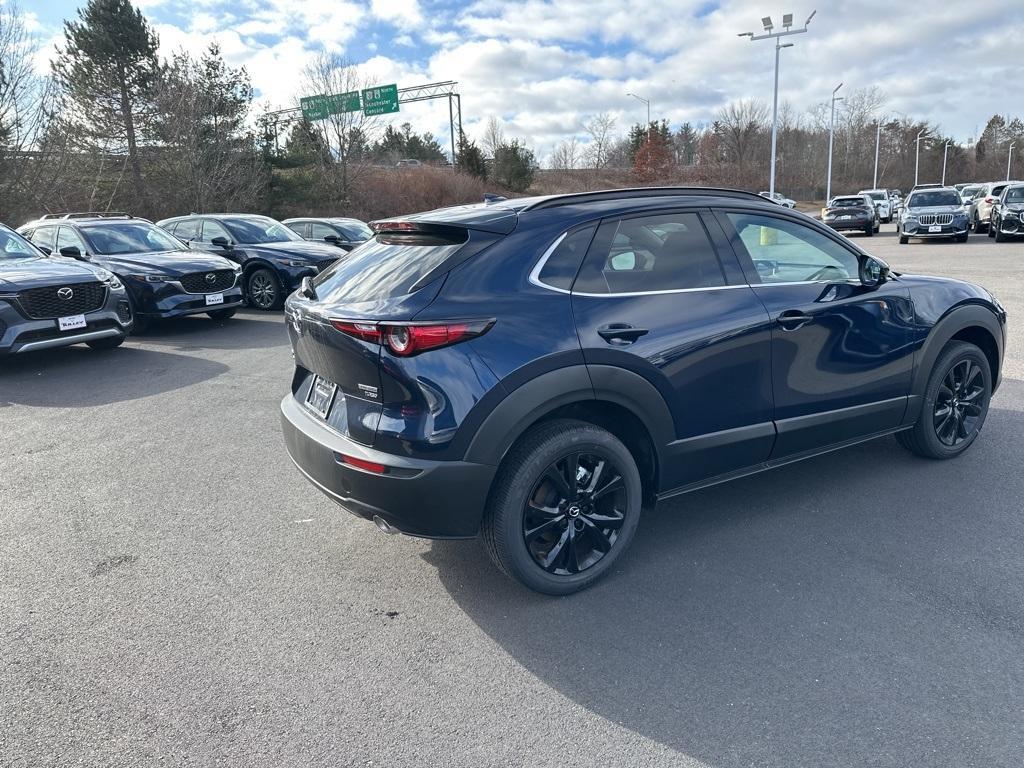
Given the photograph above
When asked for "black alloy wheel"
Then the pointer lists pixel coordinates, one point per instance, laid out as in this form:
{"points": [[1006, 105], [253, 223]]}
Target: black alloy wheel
{"points": [[955, 405], [958, 406], [564, 506], [264, 290], [574, 513]]}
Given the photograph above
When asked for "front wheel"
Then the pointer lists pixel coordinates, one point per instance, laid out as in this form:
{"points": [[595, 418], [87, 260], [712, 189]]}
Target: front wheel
{"points": [[264, 290], [955, 404], [565, 505], [999, 236]]}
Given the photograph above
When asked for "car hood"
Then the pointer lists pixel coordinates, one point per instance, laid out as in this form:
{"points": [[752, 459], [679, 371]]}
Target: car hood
{"points": [[314, 252], [173, 263], [937, 209], [42, 271]]}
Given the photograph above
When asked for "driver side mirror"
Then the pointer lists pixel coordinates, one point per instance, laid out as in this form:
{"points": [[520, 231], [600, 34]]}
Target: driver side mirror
{"points": [[220, 241], [332, 239], [873, 272], [72, 252]]}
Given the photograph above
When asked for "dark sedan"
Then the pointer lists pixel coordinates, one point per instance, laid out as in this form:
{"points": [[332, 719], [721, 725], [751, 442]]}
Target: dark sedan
{"points": [[274, 259], [340, 232], [164, 279], [852, 212], [1007, 217], [54, 302]]}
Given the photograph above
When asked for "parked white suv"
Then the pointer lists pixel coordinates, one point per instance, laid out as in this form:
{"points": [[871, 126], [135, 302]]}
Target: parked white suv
{"points": [[778, 197], [880, 197]]}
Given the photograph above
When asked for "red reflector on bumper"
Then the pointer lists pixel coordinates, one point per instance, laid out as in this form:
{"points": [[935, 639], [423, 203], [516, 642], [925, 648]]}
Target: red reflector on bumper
{"points": [[368, 466]]}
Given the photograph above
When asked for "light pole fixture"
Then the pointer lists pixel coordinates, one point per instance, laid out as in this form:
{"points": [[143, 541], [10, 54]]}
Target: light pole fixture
{"points": [[648, 103], [945, 155], [917, 153], [831, 134], [1009, 159], [787, 24], [878, 144]]}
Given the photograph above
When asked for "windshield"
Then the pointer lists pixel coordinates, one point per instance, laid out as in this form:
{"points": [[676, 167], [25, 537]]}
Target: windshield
{"points": [[847, 202], [255, 230], [1015, 195], [14, 246], [355, 230], [938, 197], [124, 237], [877, 195]]}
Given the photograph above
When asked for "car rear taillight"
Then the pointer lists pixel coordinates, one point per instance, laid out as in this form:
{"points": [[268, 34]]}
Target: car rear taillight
{"points": [[407, 339], [990, 200]]}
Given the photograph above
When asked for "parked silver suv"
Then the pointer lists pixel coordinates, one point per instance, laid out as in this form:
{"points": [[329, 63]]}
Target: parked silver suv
{"points": [[982, 202], [933, 212]]}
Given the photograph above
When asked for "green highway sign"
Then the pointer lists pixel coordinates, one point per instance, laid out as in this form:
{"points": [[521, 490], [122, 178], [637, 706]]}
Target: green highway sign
{"points": [[322, 106], [380, 100]]}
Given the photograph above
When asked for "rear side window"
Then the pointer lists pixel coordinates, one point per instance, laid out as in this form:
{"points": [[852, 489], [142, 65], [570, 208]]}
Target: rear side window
{"points": [[650, 253], [384, 267], [564, 262], [44, 237], [186, 229]]}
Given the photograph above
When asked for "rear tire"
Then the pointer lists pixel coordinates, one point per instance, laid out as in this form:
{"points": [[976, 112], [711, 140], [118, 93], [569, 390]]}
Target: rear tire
{"points": [[110, 342], [222, 314], [955, 404], [564, 506], [870, 231]]}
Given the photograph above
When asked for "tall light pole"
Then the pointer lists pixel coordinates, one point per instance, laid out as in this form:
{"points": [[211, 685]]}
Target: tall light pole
{"points": [[1009, 159], [831, 133], [878, 144], [648, 103], [917, 153], [945, 154], [787, 23]]}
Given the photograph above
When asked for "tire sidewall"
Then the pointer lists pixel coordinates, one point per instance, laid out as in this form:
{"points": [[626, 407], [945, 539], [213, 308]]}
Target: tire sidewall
{"points": [[516, 557], [274, 281]]}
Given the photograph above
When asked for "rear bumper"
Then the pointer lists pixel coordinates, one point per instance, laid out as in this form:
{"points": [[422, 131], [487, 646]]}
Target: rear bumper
{"points": [[853, 224], [431, 499]]}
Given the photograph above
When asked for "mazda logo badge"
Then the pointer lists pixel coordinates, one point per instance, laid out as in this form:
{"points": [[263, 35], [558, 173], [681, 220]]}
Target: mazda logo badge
{"points": [[65, 293], [211, 277]]}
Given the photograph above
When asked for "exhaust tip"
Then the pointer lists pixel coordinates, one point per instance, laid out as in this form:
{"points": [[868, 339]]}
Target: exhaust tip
{"points": [[385, 526]]}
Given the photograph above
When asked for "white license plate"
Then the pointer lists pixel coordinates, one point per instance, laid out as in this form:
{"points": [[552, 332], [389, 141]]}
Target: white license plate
{"points": [[214, 298], [71, 323], [321, 395], [846, 217], [935, 228]]}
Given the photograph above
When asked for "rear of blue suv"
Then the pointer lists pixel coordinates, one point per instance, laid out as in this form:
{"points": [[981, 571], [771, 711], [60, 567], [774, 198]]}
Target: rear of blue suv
{"points": [[532, 371]]}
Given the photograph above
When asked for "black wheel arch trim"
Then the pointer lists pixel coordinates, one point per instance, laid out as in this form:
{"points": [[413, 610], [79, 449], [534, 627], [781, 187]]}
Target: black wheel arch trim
{"points": [[953, 322], [541, 395]]}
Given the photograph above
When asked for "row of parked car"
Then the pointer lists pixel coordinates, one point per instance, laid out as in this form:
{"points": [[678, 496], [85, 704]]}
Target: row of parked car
{"points": [[94, 278], [934, 211]]}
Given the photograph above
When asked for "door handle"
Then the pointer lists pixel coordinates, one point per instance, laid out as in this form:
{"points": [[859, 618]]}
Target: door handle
{"points": [[621, 332], [792, 319]]}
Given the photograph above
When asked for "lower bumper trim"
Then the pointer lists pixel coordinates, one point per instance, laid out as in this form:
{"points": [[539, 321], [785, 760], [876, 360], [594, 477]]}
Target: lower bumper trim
{"points": [[63, 341]]}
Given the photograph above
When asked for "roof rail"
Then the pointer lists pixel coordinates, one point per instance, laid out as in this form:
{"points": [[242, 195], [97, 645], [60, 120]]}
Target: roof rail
{"points": [[89, 215], [636, 192]]}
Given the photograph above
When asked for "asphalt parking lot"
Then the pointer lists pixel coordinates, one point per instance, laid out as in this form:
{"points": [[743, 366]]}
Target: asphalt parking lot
{"points": [[173, 592]]}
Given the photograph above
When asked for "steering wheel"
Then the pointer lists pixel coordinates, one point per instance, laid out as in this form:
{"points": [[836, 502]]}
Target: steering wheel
{"points": [[823, 273]]}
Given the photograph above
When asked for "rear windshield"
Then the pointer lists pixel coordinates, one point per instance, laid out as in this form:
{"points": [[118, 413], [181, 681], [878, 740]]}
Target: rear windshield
{"points": [[877, 195], [848, 202], [382, 268], [939, 197]]}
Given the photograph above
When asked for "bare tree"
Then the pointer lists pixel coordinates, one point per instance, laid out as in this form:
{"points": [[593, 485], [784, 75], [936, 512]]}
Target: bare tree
{"points": [[494, 136], [566, 155], [742, 126], [601, 129], [348, 134]]}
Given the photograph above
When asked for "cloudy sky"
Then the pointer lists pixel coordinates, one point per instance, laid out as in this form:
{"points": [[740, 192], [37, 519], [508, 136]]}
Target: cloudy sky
{"points": [[543, 67]]}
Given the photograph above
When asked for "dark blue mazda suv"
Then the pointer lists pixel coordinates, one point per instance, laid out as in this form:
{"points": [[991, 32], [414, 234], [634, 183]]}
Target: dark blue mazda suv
{"points": [[164, 279], [533, 371], [274, 259]]}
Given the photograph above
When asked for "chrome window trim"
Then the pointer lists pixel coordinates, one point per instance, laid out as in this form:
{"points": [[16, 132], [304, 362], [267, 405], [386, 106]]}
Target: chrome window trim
{"points": [[538, 268]]}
